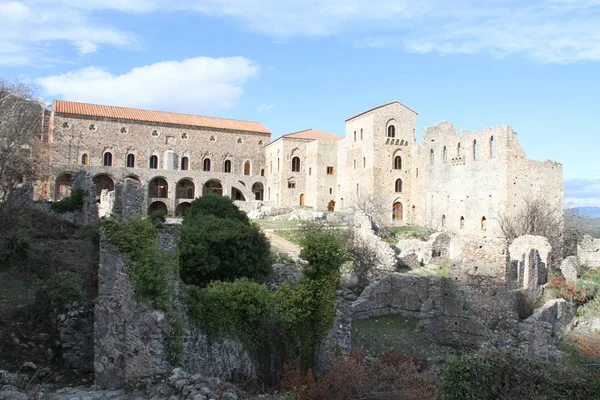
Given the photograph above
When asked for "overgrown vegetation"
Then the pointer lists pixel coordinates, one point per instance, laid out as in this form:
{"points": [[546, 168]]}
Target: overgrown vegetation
{"points": [[218, 243], [394, 234], [69, 204], [275, 325], [391, 376], [498, 374], [148, 266]]}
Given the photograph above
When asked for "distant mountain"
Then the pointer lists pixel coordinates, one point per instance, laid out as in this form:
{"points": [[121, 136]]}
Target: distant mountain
{"points": [[590, 212]]}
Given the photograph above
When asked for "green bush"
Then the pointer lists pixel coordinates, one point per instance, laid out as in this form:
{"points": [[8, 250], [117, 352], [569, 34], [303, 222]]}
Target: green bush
{"points": [[213, 248], [498, 374], [147, 265], [69, 204], [218, 206], [14, 251]]}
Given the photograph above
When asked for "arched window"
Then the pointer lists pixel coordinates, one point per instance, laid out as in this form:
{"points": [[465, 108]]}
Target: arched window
{"points": [[483, 223], [475, 155], [445, 154], [206, 164], [296, 164], [431, 157], [443, 221], [458, 150], [130, 161], [492, 147], [247, 168], [85, 160], [227, 166], [397, 162], [153, 162], [107, 159], [262, 172], [462, 222], [185, 163], [391, 131], [398, 186]]}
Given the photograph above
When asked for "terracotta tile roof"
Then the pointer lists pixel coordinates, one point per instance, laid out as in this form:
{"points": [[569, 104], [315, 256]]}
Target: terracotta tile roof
{"points": [[313, 134], [161, 117], [375, 108]]}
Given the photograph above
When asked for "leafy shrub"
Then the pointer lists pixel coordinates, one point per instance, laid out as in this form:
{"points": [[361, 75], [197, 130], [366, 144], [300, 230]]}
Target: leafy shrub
{"points": [[218, 206], [575, 292], [147, 265], [498, 374], [69, 204], [213, 248], [392, 376], [157, 218]]}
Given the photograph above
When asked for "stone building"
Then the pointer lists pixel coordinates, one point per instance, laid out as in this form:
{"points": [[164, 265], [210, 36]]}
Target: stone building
{"points": [[459, 182]]}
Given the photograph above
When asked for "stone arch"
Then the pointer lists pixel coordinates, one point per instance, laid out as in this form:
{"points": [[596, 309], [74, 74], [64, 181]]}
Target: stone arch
{"points": [[301, 199], [64, 184], [397, 159], [397, 211], [182, 209], [236, 194], [247, 168], [158, 188], [103, 182], [185, 189], [134, 177], [212, 186], [206, 164], [158, 206], [258, 190]]}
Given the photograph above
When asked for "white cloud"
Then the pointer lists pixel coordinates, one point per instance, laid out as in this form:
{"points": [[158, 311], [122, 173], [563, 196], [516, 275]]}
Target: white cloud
{"points": [[197, 85], [555, 31], [582, 192], [264, 107]]}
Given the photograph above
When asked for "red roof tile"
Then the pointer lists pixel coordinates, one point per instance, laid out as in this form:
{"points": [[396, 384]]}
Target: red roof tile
{"points": [[161, 117], [313, 134]]}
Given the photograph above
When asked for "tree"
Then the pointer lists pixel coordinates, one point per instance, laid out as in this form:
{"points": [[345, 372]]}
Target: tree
{"points": [[21, 144], [563, 228], [373, 206], [221, 247]]}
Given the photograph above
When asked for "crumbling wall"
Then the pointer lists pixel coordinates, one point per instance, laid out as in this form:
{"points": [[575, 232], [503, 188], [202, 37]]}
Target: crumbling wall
{"points": [[131, 338], [588, 251]]}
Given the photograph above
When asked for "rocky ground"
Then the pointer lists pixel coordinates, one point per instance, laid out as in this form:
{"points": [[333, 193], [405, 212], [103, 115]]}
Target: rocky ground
{"points": [[179, 385]]}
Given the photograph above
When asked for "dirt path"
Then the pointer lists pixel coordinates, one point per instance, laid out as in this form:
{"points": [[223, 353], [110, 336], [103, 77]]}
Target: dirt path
{"points": [[282, 244]]}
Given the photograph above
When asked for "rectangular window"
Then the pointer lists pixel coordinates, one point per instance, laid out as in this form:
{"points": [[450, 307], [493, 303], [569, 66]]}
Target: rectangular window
{"points": [[291, 185], [329, 170], [309, 171]]}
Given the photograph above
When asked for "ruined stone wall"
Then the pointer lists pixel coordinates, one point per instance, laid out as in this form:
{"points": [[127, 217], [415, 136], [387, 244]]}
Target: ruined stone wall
{"points": [[130, 338], [588, 251]]}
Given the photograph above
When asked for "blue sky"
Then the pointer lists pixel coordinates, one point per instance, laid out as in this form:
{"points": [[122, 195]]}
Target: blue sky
{"points": [[313, 63]]}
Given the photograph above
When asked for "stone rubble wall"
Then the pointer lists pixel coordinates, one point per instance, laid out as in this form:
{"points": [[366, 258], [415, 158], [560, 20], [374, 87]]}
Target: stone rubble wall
{"points": [[76, 333], [130, 338], [588, 251]]}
